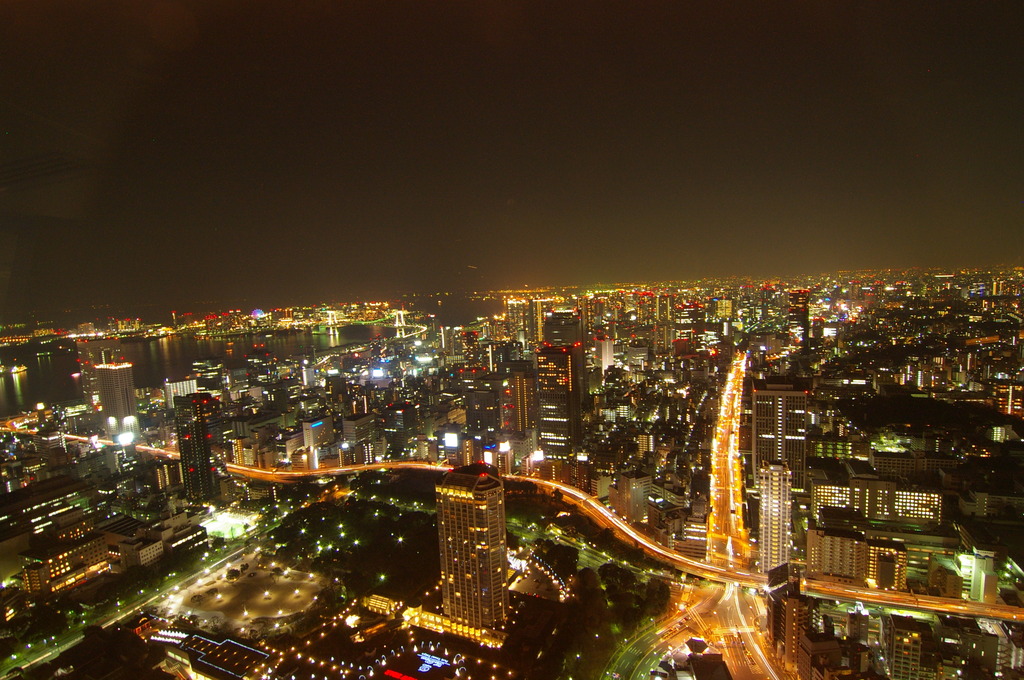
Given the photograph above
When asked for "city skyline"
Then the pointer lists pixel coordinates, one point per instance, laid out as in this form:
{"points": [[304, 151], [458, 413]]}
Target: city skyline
{"points": [[459, 307], [831, 452], [511, 341]]}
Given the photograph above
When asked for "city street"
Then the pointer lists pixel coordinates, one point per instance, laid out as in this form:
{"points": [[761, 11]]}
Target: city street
{"points": [[741, 635], [637, 655], [726, 618], [728, 538]]}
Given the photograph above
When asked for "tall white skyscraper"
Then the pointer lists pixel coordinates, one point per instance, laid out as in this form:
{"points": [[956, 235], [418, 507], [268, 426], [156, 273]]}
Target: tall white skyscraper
{"points": [[775, 483], [116, 385], [474, 560], [605, 352]]}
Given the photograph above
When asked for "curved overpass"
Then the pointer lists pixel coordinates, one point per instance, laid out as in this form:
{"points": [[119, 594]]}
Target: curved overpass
{"points": [[593, 509]]}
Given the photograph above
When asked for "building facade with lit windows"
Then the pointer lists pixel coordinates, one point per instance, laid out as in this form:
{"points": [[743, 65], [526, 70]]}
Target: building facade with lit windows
{"points": [[559, 399], [838, 555], [779, 425], [799, 317], [1009, 398], [909, 648], [848, 557], [474, 560], [64, 564], [887, 565], [519, 403], [774, 540], [630, 495], [788, 615], [116, 387], [878, 498], [191, 420]]}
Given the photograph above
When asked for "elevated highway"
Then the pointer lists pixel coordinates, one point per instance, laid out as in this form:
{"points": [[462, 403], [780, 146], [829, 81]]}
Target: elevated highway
{"points": [[604, 517]]}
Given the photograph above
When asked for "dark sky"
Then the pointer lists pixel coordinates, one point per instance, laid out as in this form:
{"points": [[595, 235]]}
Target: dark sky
{"points": [[169, 152]]}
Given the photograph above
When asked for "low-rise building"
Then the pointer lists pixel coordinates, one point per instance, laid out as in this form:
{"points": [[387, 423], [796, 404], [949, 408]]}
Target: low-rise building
{"points": [[140, 552], [202, 658], [64, 564]]}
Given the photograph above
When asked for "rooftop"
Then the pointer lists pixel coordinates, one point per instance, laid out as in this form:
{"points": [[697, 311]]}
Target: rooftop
{"points": [[227, 659]]}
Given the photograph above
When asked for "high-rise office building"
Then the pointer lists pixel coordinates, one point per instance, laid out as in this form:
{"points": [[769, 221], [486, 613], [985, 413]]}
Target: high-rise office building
{"points": [[799, 318], [645, 306], [563, 327], [180, 388], [535, 321], [472, 354], [559, 399], [722, 309], [401, 424], [116, 386], [775, 483], [483, 402], [666, 304], [519, 406], [90, 355], [605, 352], [767, 301], [779, 426], [209, 375], [359, 432], [474, 560], [192, 415], [516, 313]]}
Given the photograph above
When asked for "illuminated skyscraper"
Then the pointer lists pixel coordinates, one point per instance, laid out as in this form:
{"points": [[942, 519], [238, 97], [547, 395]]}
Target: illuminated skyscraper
{"points": [[535, 321], [192, 415], [474, 560], [209, 375], [471, 350], [90, 355], [516, 314], [559, 399], [401, 422], [180, 388], [116, 387], [563, 327], [799, 318], [519, 405], [775, 483], [605, 352], [779, 426]]}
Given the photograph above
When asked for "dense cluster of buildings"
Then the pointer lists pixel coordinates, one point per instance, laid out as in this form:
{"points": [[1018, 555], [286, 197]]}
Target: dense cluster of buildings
{"points": [[880, 430]]}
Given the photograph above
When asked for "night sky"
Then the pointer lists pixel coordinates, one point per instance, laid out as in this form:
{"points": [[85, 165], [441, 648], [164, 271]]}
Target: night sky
{"points": [[172, 153]]}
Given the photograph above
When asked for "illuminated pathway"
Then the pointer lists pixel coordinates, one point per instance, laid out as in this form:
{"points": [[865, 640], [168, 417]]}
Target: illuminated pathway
{"points": [[601, 515], [728, 540]]}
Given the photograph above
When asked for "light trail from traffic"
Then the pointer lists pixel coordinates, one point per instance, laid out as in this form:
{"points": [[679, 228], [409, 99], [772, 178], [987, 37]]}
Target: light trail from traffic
{"points": [[728, 540]]}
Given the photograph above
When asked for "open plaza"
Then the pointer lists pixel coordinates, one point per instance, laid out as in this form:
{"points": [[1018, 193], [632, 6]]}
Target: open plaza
{"points": [[252, 594]]}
